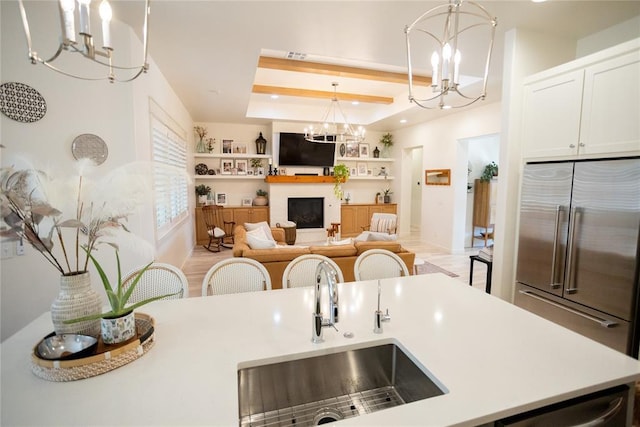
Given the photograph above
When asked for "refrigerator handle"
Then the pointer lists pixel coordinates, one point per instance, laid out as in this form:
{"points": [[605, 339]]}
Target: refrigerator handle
{"points": [[569, 285], [602, 322], [554, 260]]}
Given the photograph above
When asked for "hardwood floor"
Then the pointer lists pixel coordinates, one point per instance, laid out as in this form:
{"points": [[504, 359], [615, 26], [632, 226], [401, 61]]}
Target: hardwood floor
{"points": [[201, 260]]}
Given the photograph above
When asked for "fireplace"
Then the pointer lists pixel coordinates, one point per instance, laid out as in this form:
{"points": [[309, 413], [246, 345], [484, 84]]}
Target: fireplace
{"points": [[306, 212]]}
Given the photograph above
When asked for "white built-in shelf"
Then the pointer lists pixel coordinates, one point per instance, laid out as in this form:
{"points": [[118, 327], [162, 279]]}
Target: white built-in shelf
{"points": [[365, 159], [371, 178], [231, 156], [225, 177]]}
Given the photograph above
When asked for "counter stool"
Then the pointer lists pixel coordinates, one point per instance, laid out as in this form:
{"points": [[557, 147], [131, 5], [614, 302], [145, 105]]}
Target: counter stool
{"points": [[489, 264]]}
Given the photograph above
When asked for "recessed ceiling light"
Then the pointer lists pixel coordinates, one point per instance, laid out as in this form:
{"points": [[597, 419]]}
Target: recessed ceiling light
{"points": [[274, 96], [538, 1], [403, 121], [355, 103]]}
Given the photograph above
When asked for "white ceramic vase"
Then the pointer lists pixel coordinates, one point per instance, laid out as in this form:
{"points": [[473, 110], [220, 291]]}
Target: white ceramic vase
{"points": [[76, 299], [118, 329]]}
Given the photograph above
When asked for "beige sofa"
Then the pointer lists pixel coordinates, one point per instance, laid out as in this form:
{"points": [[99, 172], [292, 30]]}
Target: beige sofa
{"points": [[277, 259]]}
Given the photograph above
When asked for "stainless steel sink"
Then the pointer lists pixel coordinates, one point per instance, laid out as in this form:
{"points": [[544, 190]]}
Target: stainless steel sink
{"points": [[321, 388]]}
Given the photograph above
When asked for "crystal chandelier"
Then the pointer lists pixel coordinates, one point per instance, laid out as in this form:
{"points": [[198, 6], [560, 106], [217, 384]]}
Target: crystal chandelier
{"points": [[330, 129], [455, 21], [83, 41]]}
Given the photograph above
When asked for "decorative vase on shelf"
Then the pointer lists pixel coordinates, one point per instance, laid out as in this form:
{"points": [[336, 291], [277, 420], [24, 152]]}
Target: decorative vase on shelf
{"points": [[201, 147], [118, 329], [260, 201], [76, 299]]}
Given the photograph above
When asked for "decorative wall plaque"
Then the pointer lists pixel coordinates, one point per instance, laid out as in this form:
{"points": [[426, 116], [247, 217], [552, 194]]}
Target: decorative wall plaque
{"points": [[21, 102], [89, 146]]}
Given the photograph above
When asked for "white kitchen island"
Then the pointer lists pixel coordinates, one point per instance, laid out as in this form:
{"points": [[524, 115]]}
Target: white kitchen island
{"points": [[493, 359]]}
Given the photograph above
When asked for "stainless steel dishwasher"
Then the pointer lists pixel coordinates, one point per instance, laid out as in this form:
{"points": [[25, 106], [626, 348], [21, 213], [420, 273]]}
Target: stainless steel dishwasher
{"points": [[608, 408]]}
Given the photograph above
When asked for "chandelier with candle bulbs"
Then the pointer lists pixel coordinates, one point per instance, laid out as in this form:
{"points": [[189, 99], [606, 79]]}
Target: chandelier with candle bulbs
{"points": [[441, 31], [334, 126], [82, 41]]}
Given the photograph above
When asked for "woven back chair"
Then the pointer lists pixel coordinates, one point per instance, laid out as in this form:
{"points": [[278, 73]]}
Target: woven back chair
{"points": [[159, 279], [301, 271], [383, 223], [219, 230], [235, 275], [379, 264]]}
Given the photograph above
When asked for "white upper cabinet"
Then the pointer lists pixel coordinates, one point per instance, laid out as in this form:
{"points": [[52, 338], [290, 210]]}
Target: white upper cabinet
{"points": [[584, 109]]}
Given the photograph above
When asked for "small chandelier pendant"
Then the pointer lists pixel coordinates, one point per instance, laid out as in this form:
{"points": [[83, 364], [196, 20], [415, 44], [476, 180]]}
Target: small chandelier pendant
{"points": [[452, 31]]}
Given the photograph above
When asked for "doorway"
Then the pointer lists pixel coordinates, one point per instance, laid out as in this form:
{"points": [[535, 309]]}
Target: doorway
{"points": [[480, 151]]}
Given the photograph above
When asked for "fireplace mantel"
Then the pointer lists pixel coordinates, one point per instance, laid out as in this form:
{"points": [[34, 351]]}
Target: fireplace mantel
{"points": [[298, 179]]}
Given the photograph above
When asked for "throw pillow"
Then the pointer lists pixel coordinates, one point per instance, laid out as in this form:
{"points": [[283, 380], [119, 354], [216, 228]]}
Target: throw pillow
{"points": [[377, 236], [346, 241], [257, 239], [267, 230]]}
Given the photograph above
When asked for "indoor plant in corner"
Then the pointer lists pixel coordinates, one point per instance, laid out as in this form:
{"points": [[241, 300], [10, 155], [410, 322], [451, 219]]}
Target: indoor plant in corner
{"points": [[118, 324]]}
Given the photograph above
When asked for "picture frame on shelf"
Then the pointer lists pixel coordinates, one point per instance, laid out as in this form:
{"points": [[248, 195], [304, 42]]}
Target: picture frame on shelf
{"points": [[247, 201], [353, 171], [363, 150], [241, 165], [352, 149], [343, 150], [362, 169], [221, 199], [260, 171], [250, 172], [226, 146], [239, 148], [282, 171], [369, 172], [380, 198], [226, 166]]}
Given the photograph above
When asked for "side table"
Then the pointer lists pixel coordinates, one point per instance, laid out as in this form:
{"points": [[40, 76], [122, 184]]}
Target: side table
{"points": [[489, 264]]}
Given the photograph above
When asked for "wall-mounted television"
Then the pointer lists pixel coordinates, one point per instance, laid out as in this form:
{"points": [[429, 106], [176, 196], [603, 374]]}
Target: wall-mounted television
{"points": [[297, 151]]}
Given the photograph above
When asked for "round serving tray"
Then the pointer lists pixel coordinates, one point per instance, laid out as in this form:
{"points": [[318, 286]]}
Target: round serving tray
{"points": [[105, 359]]}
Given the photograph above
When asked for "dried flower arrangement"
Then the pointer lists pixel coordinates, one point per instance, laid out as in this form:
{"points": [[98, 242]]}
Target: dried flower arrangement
{"points": [[201, 131], [65, 219]]}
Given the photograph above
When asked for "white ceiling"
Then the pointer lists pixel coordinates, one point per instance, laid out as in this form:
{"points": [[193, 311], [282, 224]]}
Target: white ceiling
{"points": [[209, 50]]}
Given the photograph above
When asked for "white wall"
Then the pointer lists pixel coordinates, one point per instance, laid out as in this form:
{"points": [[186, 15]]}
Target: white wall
{"points": [[443, 207], [118, 113]]}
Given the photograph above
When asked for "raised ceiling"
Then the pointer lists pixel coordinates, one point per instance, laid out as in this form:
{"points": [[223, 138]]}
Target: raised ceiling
{"points": [[225, 59]]}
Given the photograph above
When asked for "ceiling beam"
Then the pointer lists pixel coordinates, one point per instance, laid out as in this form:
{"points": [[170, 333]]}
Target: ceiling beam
{"points": [[338, 70], [321, 94]]}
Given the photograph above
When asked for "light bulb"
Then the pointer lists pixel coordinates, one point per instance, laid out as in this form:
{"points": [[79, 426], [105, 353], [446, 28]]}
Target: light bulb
{"points": [[446, 57], [85, 27], [69, 29], [105, 11], [106, 14]]}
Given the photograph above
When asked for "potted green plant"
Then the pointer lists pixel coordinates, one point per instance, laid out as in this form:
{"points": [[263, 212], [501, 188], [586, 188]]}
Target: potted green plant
{"points": [[261, 198], [489, 172], [118, 324], [202, 191], [387, 143], [255, 164], [387, 195], [340, 176]]}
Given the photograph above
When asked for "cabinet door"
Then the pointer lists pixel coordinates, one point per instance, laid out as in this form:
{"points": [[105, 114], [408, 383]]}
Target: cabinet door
{"points": [[551, 120], [611, 106], [202, 238], [348, 220], [242, 215], [382, 208], [259, 214]]}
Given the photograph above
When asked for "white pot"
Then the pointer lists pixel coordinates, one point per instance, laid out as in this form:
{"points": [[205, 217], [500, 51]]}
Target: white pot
{"points": [[118, 329], [202, 200], [76, 299], [260, 201]]}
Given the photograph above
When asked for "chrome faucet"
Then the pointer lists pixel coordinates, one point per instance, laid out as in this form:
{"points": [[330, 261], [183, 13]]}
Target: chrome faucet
{"points": [[318, 322]]}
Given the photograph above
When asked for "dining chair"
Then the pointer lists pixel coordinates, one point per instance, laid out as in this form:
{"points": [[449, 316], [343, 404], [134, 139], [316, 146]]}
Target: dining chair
{"points": [[219, 230], [379, 264], [158, 279], [235, 275], [301, 271]]}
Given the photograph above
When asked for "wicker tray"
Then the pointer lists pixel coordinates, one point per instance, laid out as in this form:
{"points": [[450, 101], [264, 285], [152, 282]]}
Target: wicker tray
{"points": [[105, 359]]}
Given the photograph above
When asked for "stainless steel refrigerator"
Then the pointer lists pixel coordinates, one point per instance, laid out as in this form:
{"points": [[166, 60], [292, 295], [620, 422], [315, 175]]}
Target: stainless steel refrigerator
{"points": [[578, 250]]}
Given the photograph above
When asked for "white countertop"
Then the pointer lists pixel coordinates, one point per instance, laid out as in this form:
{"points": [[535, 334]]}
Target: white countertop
{"points": [[494, 359]]}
